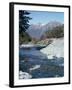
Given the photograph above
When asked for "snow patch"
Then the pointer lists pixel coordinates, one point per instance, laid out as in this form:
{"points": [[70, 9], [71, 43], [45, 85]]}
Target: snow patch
{"points": [[24, 75], [35, 67]]}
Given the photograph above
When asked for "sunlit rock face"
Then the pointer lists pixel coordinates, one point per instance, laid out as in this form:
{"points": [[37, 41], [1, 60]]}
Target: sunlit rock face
{"points": [[55, 49]]}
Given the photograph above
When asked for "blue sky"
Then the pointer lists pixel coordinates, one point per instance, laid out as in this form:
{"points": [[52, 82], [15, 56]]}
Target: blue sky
{"points": [[44, 17]]}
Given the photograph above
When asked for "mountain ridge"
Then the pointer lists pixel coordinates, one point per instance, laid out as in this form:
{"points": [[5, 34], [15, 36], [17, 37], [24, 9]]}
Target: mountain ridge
{"points": [[37, 30]]}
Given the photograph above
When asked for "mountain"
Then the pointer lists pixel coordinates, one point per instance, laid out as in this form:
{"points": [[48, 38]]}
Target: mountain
{"points": [[52, 24], [37, 30]]}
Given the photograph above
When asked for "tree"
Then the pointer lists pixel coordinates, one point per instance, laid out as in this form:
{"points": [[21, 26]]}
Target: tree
{"points": [[23, 26], [56, 32]]}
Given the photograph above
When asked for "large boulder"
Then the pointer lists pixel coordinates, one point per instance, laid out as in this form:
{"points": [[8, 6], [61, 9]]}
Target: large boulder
{"points": [[55, 49]]}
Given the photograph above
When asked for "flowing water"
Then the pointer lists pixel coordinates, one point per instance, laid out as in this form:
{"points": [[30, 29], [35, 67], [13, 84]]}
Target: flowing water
{"points": [[37, 65]]}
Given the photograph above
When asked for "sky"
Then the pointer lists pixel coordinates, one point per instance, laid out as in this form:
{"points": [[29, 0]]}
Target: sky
{"points": [[44, 17]]}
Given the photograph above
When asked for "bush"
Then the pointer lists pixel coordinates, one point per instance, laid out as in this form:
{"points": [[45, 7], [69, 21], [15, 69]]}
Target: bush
{"points": [[24, 38]]}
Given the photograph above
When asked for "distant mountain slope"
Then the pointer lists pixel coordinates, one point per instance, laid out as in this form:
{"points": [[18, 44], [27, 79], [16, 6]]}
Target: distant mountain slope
{"points": [[36, 31]]}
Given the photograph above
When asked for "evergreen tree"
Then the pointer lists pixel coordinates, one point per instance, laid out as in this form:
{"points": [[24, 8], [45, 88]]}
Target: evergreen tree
{"points": [[23, 26]]}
